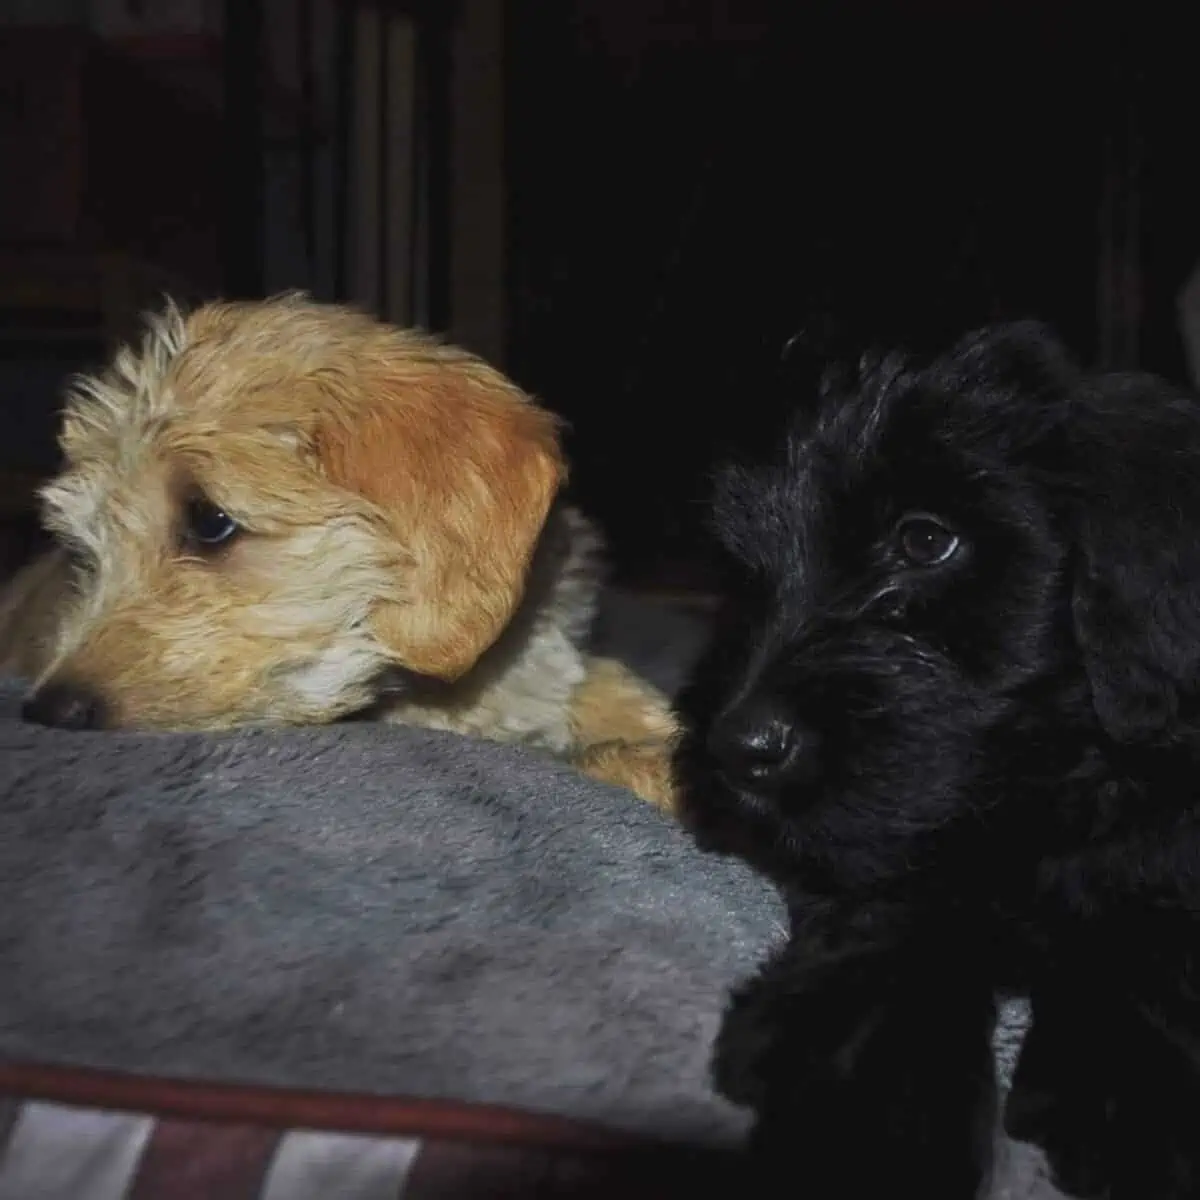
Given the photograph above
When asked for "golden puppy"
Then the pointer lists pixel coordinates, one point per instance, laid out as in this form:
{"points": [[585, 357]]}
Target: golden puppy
{"points": [[289, 513]]}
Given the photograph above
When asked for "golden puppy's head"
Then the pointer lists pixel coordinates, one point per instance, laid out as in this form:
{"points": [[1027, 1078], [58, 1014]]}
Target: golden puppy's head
{"points": [[272, 503]]}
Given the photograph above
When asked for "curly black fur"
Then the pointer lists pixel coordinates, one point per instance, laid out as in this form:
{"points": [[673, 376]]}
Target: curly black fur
{"points": [[967, 776]]}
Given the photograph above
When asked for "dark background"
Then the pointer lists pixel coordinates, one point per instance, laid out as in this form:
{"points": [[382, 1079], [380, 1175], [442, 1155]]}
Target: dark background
{"points": [[629, 205]]}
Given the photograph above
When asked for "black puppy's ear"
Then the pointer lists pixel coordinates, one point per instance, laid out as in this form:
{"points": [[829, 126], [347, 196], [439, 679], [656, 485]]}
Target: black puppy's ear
{"points": [[1134, 445], [1018, 354], [1019, 374]]}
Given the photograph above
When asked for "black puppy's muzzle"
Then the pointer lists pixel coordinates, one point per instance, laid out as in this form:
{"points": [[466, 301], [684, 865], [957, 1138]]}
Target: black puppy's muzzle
{"points": [[761, 747]]}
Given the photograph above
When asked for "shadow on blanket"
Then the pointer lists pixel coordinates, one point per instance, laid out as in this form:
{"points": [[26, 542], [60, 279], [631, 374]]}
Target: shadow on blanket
{"points": [[369, 909]]}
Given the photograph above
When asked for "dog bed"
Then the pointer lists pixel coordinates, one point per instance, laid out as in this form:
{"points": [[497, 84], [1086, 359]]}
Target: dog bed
{"points": [[362, 961]]}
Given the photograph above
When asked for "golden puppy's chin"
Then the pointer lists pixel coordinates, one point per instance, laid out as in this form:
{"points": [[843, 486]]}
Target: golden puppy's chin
{"points": [[316, 690]]}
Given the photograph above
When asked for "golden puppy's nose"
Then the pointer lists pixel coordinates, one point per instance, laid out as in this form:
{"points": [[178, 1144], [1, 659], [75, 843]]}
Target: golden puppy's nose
{"points": [[64, 706]]}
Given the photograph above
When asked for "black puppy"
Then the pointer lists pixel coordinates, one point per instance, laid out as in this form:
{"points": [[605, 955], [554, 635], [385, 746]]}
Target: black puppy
{"points": [[951, 710]]}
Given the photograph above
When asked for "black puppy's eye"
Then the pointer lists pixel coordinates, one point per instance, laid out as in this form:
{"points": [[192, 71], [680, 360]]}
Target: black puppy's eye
{"points": [[925, 541], [207, 525]]}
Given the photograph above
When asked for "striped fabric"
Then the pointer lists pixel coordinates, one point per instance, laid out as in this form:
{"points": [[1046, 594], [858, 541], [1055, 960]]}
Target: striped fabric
{"points": [[154, 1140]]}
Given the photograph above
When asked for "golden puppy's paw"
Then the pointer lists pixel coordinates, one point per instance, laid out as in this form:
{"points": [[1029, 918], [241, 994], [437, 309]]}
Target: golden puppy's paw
{"points": [[612, 704], [642, 767]]}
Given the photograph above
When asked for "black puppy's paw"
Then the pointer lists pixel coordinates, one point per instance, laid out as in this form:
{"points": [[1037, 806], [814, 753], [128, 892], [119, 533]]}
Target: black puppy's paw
{"points": [[862, 1089], [879, 1116], [1114, 1105], [744, 1046], [1061, 1100], [1114, 1142]]}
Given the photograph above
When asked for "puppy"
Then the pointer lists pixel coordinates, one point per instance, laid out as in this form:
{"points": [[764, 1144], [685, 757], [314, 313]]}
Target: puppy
{"points": [[290, 513], [951, 711]]}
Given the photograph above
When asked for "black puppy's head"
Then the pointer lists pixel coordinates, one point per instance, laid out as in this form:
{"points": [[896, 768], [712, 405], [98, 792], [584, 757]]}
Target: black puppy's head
{"points": [[932, 569]]}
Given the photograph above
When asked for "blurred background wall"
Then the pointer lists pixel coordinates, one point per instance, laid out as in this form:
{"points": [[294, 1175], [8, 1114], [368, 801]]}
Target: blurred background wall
{"points": [[627, 204]]}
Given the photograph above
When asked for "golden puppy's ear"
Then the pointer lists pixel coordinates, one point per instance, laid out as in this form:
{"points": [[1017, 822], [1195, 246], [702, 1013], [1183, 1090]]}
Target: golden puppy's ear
{"points": [[462, 468]]}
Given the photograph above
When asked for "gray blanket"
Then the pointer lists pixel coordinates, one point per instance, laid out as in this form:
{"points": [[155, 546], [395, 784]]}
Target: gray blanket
{"points": [[367, 908], [362, 908]]}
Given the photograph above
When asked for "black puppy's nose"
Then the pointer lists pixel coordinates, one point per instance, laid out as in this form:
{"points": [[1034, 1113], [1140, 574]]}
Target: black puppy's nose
{"points": [[759, 746], [64, 706]]}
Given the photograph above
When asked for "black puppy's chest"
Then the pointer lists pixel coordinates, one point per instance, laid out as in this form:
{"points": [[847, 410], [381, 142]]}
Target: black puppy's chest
{"points": [[1113, 879], [1021, 946]]}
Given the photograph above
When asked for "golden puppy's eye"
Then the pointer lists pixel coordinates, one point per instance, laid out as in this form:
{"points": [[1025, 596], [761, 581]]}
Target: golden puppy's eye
{"points": [[206, 525], [926, 541]]}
